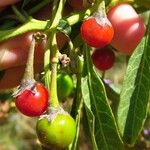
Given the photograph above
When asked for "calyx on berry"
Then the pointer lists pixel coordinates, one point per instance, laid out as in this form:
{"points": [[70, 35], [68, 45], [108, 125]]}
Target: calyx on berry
{"points": [[97, 30], [31, 96], [56, 130]]}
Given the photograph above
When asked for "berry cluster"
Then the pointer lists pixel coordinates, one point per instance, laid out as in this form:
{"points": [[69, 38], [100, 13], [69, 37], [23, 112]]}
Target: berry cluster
{"points": [[123, 30]]}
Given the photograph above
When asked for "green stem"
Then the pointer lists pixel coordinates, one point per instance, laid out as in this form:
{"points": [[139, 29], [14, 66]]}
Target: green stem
{"points": [[54, 61], [78, 97], [71, 47], [31, 25], [103, 74], [51, 78], [58, 14], [101, 7], [53, 52], [54, 9], [47, 65], [29, 70], [76, 17], [18, 14], [54, 97], [36, 25]]}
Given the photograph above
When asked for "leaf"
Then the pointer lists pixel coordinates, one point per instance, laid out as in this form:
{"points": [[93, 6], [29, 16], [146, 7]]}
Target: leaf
{"points": [[76, 112], [134, 96], [64, 27], [102, 125], [73, 146]]}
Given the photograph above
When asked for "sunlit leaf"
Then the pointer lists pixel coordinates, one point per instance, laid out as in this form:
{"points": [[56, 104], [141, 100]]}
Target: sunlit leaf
{"points": [[102, 125], [134, 97]]}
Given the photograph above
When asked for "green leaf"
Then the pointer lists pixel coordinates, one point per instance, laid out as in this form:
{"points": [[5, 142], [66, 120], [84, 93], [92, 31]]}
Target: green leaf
{"points": [[102, 125], [73, 146], [76, 112], [134, 96], [64, 27]]}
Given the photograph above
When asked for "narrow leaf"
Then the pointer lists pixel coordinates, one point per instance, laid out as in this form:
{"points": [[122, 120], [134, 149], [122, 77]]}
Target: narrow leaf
{"points": [[134, 96], [64, 27], [76, 112], [103, 129]]}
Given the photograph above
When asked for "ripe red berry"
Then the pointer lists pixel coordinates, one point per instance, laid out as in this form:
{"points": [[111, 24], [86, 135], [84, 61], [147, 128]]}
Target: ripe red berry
{"points": [[33, 102], [97, 31], [103, 59]]}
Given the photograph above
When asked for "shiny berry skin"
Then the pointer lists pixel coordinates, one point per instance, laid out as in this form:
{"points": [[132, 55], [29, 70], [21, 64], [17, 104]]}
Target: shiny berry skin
{"points": [[128, 26], [64, 85], [97, 31], [58, 133], [103, 59], [33, 102]]}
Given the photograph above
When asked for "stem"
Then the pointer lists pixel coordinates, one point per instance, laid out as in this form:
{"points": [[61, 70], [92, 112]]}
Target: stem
{"points": [[101, 7], [78, 97], [47, 65], [53, 53], [71, 47], [29, 70], [54, 9], [54, 60], [101, 11], [103, 75], [18, 14], [76, 17], [31, 25], [54, 97], [36, 25], [58, 15]]}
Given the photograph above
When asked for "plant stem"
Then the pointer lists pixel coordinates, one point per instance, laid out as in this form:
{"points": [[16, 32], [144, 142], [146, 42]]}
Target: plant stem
{"points": [[18, 14], [31, 25], [103, 75], [54, 61], [29, 70], [58, 15], [101, 7], [52, 52], [36, 25], [76, 17], [78, 97], [47, 65]]}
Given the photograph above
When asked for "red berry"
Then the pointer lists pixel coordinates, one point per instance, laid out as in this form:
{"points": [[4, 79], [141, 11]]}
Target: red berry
{"points": [[33, 102], [97, 31], [128, 26], [103, 59]]}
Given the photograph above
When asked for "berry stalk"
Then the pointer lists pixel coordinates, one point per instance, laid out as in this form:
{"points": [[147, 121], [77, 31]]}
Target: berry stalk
{"points": [[29, 70], [52, 53]]}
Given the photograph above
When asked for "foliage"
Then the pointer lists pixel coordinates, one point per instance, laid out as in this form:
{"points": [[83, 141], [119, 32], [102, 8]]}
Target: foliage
{"points": [[110, 119]]}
